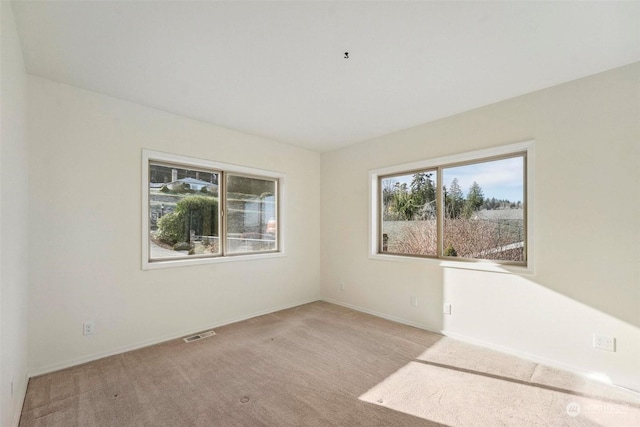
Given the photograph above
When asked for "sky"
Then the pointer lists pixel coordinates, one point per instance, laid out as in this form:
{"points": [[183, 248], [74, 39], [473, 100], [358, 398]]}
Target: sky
{"points": [[502, 179]]}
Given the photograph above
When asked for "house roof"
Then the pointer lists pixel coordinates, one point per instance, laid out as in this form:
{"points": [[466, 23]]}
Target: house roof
{"points": [[193, 181]]}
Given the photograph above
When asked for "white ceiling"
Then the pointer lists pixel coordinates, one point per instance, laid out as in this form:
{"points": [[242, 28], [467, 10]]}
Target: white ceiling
{"points": [[277, 69]]}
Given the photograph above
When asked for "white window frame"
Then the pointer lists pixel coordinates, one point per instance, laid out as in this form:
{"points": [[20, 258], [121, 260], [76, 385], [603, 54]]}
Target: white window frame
{"points": [[158, 156], [527, 147]]}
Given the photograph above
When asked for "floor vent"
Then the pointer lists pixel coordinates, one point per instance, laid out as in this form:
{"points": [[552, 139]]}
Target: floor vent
{"points": [[199, 336]]}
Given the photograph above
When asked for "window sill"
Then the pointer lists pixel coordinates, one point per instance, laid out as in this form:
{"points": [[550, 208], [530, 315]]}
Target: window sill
{"points": [[480, 265], [153, 265]]}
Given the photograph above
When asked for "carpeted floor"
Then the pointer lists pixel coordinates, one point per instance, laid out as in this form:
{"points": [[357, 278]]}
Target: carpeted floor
{"points": [[321, 365]]}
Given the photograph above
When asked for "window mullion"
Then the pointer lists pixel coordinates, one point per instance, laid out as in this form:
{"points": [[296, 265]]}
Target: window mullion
{"points": [[439, 213], [222, 197], [380, 216], [525, 206]]}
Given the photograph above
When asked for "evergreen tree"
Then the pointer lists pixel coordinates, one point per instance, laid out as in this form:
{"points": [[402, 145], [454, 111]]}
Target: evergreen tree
{"points": [[454, 201], [403, 203], [423, 194], [475, 199], [388, 191]]}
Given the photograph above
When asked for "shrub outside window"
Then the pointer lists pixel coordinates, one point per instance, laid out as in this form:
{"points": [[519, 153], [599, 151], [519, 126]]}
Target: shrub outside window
{"points": [[197, 211], [470, 207], [184, 212]]}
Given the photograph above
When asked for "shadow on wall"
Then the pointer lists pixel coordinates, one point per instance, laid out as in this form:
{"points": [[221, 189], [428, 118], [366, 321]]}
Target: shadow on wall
{"points": [[517, 313]]}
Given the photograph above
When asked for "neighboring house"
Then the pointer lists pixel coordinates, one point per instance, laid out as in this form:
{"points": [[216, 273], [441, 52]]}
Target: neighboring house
{"points": [[499, 214], [194, 184]]}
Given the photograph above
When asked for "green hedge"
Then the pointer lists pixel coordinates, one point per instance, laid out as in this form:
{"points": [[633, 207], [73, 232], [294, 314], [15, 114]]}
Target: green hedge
{"points": [[198, 213]]}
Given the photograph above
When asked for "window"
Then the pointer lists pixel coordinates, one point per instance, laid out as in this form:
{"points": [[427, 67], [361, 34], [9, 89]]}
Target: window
{"points": [[251, 214], [470, 207], [197, 211], [409, 213]]}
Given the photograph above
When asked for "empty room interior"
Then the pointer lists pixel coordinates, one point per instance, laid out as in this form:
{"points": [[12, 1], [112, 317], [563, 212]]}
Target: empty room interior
{"points": [[320, 213]]}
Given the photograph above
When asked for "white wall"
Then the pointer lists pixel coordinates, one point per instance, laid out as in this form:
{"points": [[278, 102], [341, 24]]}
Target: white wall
{"points": [[14, 204], [587, 232], [85, 222]]}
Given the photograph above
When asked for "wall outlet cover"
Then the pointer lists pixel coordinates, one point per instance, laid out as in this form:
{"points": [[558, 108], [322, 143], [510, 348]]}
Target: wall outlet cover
{"points": [[88, 327], [604, 342]]}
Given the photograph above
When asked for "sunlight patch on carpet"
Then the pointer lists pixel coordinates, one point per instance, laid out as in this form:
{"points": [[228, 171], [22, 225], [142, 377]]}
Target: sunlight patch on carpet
{"points": [[454, 397]]}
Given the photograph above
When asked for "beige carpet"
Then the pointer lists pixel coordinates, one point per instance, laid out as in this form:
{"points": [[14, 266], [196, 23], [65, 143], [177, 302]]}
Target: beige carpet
{"points": [[321, 365]]}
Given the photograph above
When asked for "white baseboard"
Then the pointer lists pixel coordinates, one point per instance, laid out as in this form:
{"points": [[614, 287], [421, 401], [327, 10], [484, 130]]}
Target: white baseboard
{"points": [[508, 350], [20, 397], [382, 315], [90, 358], [582, 372], [635, 388]]}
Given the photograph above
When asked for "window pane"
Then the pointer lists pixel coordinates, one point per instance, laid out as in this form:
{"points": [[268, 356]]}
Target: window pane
{"points": [[409, 224], [183, 212], [252, 214], [484, 210]]}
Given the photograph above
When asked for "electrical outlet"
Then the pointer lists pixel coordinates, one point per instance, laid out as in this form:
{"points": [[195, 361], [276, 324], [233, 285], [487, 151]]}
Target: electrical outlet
{"points": [[342, 286], [413, 301], [89, 327], [604, 342], [446, 308]]}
